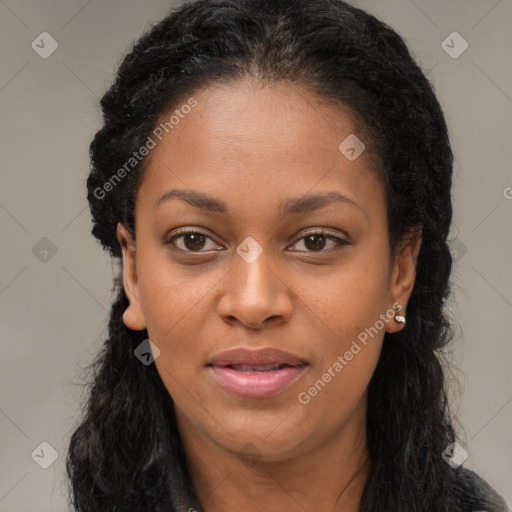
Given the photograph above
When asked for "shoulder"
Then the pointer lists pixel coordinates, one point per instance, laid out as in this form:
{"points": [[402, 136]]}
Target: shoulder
{"points": [[476, 495]]}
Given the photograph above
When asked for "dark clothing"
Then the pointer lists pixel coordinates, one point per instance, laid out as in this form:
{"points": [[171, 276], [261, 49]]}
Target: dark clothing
{"points": [[170, 491]]}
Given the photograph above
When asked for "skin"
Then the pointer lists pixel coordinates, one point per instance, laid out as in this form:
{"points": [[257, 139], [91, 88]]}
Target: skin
{"points": [[252, 147]]}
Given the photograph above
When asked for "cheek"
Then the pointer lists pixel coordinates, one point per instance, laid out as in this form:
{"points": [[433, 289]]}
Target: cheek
{"points": [[349, 313], [171, 319], [351, 326], [174, 305], [171, 312], [352, 297], [167, 293], [334, 395]]}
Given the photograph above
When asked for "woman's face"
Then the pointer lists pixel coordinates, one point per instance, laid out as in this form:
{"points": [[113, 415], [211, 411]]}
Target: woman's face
{"points": [[257, 273]]}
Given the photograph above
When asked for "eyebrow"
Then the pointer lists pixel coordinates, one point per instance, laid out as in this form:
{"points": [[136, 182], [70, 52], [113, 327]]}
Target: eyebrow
{"points": [[300, 205]]}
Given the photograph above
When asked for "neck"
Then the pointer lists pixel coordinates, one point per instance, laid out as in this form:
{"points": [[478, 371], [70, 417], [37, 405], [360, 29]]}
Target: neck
{"points": [[331, 477]]}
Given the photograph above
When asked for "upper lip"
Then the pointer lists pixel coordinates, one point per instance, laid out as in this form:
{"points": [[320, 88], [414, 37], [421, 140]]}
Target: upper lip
{"points": [[256, 357]]}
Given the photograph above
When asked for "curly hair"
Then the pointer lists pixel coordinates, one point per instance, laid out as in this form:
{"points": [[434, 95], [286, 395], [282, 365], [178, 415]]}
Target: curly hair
{"points": [[348, 58]]}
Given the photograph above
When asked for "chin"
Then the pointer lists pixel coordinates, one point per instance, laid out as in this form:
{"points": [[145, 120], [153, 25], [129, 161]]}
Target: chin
{"points": [[268, 438]]}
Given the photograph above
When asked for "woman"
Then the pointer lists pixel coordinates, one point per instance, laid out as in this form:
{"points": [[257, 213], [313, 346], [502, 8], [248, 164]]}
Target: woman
{"points": [[276, 178]]}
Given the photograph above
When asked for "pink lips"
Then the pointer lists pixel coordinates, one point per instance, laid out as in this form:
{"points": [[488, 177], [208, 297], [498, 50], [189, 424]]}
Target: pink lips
{"points": [[256, 373]]}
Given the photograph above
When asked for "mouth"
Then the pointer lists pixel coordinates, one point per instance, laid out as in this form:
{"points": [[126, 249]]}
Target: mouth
{"points": [[256, 374], [252, 368]]}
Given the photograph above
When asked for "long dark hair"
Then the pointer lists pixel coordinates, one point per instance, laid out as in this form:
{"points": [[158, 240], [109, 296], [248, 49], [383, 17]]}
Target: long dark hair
{"points": [[348, 58]]}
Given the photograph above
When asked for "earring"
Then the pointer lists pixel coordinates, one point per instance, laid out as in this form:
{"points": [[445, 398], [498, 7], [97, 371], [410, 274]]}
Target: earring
{"points": [[399, 318]]}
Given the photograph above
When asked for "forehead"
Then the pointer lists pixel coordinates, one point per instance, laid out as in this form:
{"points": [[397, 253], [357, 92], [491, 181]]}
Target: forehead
{"points": [[257, 143]]}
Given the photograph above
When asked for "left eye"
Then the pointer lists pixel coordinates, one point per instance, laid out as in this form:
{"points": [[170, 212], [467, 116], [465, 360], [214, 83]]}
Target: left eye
{"points": [[314, 240], [193, 241]]}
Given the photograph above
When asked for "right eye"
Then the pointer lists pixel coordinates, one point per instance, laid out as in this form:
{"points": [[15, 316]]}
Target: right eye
{"points": [[189, 241]]}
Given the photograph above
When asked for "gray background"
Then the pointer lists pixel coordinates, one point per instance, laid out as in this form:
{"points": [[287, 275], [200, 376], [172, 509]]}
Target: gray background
{"points": [[54, 305]]}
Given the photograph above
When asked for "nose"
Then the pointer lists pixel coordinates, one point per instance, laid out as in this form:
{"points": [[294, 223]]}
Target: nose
{"points": [[255, 294]]}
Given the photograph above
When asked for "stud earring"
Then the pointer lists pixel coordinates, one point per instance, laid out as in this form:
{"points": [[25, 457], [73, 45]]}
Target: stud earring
{"points": [[399, 318]]}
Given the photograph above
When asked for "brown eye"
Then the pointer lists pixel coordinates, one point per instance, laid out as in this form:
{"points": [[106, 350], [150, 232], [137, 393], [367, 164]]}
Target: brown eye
{"points": [[316, 242], [189, 241], [193, 241]]}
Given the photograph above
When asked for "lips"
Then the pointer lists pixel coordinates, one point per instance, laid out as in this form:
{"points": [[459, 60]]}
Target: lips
{"points": [[256, 358], [258, 367], [254, 374]]}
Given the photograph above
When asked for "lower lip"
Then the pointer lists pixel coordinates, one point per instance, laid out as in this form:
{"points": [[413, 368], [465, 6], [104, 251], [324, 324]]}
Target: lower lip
{"points": [[256, 384]]}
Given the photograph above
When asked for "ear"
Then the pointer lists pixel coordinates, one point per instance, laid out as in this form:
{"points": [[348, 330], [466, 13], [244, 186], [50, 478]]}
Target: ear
{"points": [[133, 317], [403, 274]]}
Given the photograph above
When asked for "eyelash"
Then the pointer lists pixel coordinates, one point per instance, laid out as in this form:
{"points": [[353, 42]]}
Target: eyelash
{"points": [[339, 242]]}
